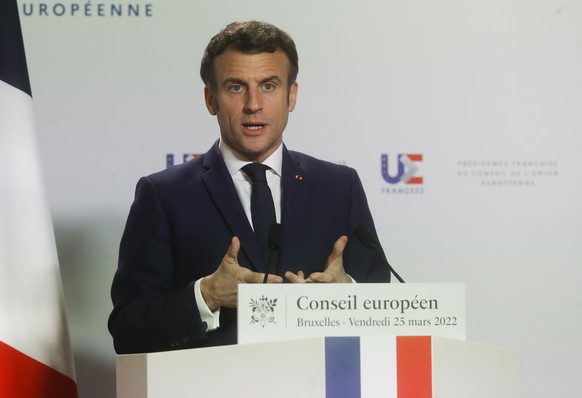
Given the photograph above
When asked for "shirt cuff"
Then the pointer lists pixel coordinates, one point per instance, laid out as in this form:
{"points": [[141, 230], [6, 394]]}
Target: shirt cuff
{"points": [[211, 319]]}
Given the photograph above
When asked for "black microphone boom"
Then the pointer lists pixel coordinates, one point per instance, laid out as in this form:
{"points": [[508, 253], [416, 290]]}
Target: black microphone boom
{"points": [[275, 236], [367, 238], [274, 242]]}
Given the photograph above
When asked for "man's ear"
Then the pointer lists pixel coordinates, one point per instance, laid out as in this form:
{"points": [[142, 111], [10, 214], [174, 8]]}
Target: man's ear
{"points": [[211, 102], [293, 96]]}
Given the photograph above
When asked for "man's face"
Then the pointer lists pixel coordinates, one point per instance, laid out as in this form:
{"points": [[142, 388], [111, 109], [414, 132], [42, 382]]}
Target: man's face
{"points": [[251, 101]]}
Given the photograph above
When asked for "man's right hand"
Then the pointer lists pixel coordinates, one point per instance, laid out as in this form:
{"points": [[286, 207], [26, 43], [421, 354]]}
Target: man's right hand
{"points": [[220, 288]]}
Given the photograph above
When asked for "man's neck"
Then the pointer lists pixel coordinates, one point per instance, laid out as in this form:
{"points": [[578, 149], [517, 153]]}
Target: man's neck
{"points": [[234, 160]]}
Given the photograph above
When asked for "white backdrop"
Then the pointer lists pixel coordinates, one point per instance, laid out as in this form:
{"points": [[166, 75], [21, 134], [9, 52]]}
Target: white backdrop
{"points": [[488, 92]]}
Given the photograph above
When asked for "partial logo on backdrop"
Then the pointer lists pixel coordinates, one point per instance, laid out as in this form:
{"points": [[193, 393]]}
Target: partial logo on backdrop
{"points": [[263, 311], [87, 9], [171, 158], [402, 173]]}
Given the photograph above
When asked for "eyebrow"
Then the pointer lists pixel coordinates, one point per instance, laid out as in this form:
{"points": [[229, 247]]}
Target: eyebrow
{"points": [[273, 78]]}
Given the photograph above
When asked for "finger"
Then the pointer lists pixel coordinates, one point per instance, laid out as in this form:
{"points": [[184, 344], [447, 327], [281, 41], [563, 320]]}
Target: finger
{"points": [[272, 278], [340, 245], [229, 262], [248, 276], [335, 258], [260, 278], [320, 277], [234, 247], [291, 277]]}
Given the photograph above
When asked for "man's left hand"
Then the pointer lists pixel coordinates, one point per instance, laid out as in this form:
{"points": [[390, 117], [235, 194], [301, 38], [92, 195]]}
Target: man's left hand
{"points": [[334, 271]]}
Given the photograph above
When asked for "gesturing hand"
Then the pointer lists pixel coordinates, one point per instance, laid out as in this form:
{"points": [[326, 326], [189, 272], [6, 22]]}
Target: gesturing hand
{"points": [[334, 271], [220, 288]]}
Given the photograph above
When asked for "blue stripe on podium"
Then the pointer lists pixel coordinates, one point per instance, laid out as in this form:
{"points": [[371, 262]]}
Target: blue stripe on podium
{"points": [[342, 367]]}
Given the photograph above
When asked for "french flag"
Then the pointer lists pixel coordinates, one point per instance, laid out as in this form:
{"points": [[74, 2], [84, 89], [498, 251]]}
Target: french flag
{"points": [[378, 367], [35, 354]]}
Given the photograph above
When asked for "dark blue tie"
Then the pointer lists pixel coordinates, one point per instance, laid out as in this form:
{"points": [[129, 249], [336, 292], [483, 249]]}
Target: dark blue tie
{"points": [[262, 206]]}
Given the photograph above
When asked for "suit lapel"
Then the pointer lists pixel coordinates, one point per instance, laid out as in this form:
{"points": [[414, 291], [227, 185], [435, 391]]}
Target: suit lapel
{"points": [[221, 189], [295, 188]]}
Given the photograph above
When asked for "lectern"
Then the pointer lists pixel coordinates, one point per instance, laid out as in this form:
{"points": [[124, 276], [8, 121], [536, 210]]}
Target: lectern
{"points": [[335, 341]]}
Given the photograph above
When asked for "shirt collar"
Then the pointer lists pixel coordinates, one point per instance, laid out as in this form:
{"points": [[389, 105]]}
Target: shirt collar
{"points": [[234, 161]]}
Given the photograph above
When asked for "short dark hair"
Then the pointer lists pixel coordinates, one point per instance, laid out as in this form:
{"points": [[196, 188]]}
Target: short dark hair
{"points": [[250, 37]]}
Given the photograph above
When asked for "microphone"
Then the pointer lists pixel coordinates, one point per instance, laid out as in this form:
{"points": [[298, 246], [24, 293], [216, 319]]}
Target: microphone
{"points": [[273, 242], [367, 238]]}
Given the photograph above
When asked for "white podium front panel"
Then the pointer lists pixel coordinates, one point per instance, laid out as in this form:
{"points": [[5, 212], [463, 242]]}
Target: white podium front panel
{"points": [[331, 367]]}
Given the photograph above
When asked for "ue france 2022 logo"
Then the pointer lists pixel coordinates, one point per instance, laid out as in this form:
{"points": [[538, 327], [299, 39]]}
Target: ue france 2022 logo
{"points": [[406, 169]]}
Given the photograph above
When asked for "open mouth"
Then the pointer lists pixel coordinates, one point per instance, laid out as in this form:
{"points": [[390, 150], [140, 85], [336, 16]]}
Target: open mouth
{"points": [[254, 126]]}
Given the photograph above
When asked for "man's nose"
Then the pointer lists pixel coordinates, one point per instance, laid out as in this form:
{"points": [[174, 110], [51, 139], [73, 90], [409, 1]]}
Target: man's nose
{"points": [[253, 101]]}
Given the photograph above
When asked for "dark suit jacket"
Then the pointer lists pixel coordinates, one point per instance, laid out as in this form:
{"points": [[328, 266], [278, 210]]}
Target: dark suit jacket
{"points": [[181, 224]]}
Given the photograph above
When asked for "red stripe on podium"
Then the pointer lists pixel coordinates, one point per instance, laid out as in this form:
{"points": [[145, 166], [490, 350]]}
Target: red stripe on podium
{"points": [[414, 366], [24, 377]]}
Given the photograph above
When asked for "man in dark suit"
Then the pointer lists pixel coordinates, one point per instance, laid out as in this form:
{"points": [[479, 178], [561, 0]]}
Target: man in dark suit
{"points": [[189, 238]]}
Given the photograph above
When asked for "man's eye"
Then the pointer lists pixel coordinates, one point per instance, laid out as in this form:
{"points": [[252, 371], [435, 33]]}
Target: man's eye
{"points": [[269, 86], [236, 88]]}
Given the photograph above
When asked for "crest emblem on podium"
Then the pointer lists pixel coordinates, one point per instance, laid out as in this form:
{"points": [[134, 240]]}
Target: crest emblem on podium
{"points": [[263, 311]]}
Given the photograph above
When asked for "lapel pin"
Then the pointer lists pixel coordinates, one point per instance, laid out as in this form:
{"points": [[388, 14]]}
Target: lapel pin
{"points": [[298, 177]]}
